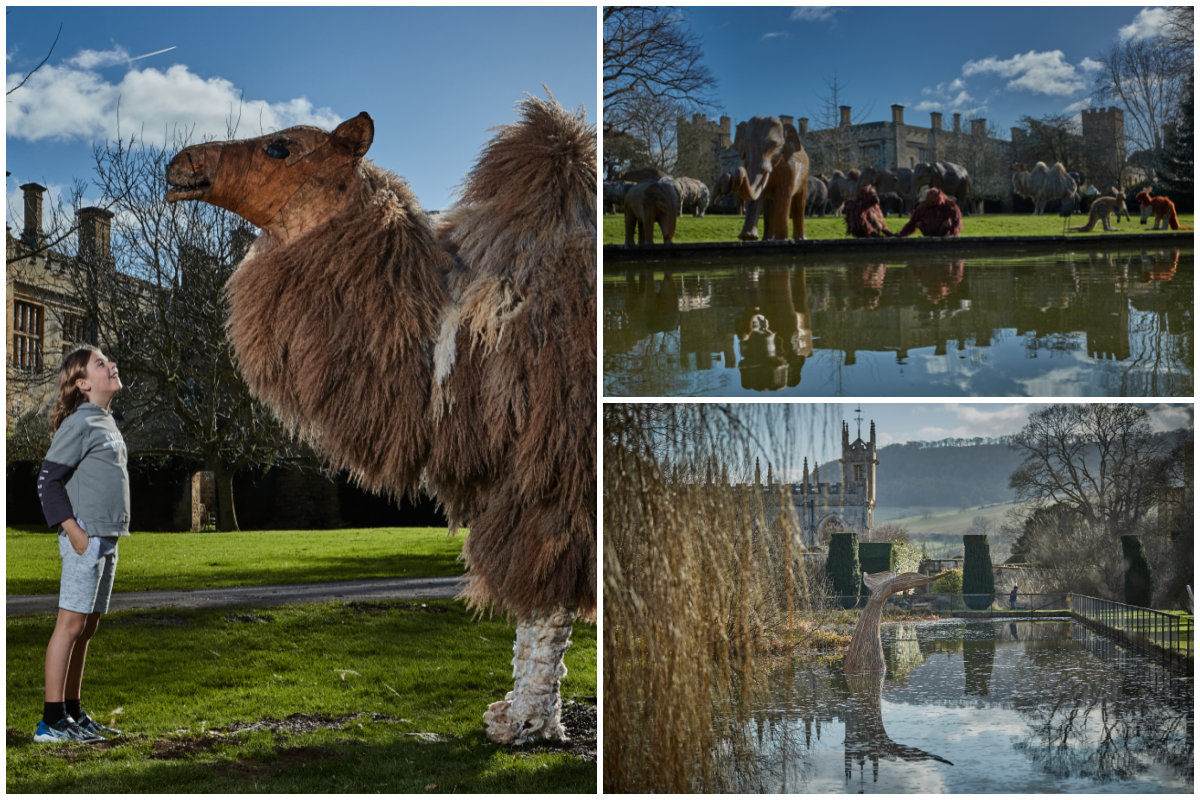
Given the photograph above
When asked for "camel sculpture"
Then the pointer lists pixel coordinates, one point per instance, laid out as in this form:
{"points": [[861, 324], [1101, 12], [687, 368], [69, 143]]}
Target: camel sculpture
{"points": [[460, 360], [1043, 184], [866, 649]]}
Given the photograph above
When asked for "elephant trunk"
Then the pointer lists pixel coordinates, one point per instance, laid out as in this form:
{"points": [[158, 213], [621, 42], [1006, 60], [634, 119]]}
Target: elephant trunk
{"points": [[747, 191]]}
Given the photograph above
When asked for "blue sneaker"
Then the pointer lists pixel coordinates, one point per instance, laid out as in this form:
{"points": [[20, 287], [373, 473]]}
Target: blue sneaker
{"points": [[64, 730], [89, 725]]}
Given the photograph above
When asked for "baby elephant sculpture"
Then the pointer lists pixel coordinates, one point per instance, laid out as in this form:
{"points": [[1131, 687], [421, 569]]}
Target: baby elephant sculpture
{"points": [[866, 649], [647, 203]]}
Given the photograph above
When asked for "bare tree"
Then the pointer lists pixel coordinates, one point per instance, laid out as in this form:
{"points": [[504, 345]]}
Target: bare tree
{"points": [[830, 143], [157, 306], [1053, 138], [650, 50], [1142, 78], [653, 121], [985, 158], [1178, 39]]}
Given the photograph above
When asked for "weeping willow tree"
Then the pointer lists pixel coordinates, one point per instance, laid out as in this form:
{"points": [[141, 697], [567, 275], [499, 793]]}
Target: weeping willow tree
{"points": [[703, 575]]}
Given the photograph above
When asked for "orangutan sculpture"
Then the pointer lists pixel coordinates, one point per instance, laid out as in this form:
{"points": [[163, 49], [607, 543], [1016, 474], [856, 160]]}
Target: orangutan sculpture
{"points": [[936, 215], [864, 218], [866, 649], [773, 178], [461, 361]]}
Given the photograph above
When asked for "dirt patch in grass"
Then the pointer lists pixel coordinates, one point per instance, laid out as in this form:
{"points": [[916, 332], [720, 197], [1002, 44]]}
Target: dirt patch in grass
{"points": [[286, 758], [248, 618], [579, 721], [381, 606], [188, 747], [300, 723], [169, 620]]}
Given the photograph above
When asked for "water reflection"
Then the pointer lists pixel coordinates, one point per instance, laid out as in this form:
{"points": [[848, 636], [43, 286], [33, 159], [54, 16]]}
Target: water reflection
{"points": [[974, 707], [1061, 324]]}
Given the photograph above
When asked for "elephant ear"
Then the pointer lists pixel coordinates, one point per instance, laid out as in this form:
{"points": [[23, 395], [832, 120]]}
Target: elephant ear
{"points": [[791, 138]]}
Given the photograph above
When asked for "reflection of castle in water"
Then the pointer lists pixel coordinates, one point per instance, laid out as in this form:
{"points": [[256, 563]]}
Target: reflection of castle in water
{"points": [[766, 322]]}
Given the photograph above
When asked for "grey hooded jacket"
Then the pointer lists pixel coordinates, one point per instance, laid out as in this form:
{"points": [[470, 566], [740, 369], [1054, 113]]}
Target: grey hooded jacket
{"points": [[85, 474]]}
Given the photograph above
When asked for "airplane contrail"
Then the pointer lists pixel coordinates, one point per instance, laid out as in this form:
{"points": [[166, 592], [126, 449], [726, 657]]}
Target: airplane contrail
{"points": [[156, 52]]}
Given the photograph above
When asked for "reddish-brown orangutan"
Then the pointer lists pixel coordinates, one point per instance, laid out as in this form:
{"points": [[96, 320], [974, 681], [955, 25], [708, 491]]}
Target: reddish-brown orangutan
{"points": [[864, 217], [1163, 209], [936, 215]]}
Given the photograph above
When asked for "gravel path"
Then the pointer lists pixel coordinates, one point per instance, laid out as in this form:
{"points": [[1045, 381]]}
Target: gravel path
{"points": [[386, 589]]}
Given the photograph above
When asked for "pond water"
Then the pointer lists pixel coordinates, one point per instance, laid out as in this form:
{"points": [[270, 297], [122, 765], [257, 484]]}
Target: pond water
{"points": [[1115, 323], [1007, 707]]}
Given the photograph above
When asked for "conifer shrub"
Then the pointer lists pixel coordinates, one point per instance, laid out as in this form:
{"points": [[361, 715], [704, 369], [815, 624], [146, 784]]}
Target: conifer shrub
{"points": [[978, 581], [875, 557], [1139, 576], [843, 568], [950, 583]]}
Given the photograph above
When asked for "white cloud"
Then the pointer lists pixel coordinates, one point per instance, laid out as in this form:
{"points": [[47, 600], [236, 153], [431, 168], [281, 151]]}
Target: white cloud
{"points": [[1146, 25], [1090, 64], [1078, 106], [981, 420], [812, 13], [1172, 417], [952, 96], [72, 101], [773, 35], [1039, 73]]}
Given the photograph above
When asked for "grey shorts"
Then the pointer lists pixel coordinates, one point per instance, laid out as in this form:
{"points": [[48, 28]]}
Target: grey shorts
{"points": [[87, 579]]}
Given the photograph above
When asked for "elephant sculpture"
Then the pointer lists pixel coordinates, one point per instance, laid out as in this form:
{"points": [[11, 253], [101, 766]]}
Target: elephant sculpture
{"points": [[614, 195], [842, 187], [724, 188], [647, 203], [818, 197], [692, 193], [773, 178], [647, 174], [897, 181], [950, 178], [891, 203]]}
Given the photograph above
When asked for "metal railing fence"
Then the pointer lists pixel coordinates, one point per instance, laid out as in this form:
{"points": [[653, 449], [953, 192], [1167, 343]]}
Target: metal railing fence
{"points": [[1173, 633], [1000, 601]]}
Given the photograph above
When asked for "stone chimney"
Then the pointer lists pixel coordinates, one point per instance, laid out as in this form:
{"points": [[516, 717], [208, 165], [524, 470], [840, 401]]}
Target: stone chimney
{"points": [[786, 119], [898, 114], [95, 228], [845, 123], [802, 126], [935, 120], [979, 127], [1016, 134], [958, 123], [32, 236]]}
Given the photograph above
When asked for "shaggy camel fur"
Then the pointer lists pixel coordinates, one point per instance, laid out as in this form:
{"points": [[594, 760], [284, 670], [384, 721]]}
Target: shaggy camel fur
{"points": [[460, 361], [1162, 208], [865, 653], [1043, 184]]}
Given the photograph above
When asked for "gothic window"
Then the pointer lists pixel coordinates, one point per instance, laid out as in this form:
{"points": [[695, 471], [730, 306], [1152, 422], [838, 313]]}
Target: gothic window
{"points": [[858, 472], [28, 323]]}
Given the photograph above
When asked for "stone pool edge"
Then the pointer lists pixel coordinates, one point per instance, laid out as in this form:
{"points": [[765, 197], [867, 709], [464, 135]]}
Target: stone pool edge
{"points": [[620, 253]]}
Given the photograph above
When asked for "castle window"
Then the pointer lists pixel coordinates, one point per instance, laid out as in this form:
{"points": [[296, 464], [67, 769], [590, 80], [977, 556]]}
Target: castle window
{"points": [[28, 324], [76, 330], [858, 472], [924, 155]]}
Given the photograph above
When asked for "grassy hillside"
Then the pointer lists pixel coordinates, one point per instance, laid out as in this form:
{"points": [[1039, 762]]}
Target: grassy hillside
{"points": [[939, 529]]}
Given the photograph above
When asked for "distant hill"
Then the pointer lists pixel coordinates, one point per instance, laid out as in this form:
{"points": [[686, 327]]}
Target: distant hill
{"points": [[939, 474]]}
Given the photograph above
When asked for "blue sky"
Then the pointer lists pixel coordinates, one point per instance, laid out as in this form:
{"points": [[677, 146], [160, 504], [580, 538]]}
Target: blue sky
{"points": [[929, 421], [434, 80], [997, 63]]}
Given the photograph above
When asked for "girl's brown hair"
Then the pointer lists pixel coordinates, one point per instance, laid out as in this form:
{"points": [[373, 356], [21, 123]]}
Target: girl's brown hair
{"points": [[70, 398]]}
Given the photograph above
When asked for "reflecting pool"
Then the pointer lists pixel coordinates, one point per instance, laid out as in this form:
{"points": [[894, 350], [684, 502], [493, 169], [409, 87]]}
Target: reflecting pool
{"points": [[1008, 707], [1109, 323]]}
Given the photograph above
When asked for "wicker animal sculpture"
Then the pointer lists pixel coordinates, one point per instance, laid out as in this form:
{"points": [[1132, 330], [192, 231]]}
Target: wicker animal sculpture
{"points": [[773, 178], [818, 197], [724, 188], [898, 180], [649, 203], [842, 188], [1123, 208], [936, 215], [1102, 209], [1043, 184], [866, 649], [614, 195], [461, 360], [951, 178], [1162, 208], [692, 193], [864, 217]]}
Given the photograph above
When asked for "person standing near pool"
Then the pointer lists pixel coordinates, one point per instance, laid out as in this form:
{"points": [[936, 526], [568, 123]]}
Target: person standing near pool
{"points": [[84, 489]]}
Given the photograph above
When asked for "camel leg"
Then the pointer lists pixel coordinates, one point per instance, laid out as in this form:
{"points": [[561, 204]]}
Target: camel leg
{"points": [[532, 708]]}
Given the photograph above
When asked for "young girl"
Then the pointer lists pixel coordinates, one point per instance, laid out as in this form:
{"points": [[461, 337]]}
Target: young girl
{"points": [[84, 488]]}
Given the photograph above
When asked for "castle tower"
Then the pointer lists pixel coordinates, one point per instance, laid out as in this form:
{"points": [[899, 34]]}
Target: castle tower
{"points": [[858, 479]]}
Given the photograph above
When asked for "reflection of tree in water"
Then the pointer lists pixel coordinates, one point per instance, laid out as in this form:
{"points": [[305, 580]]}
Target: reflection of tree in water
{"points": [[1103, 721], [979, 654]]}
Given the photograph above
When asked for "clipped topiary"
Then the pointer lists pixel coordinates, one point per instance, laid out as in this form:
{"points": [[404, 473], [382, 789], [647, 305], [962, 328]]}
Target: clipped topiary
{"points": [[875, 557], [979, 582], [1139, 577], [843, 567]]}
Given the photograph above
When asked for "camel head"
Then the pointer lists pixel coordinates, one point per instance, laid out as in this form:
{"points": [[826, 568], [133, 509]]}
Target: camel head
{"points": [[285, 182]]}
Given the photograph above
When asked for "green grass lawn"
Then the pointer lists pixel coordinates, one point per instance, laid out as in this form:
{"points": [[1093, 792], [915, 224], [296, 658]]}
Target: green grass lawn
{"points": [[725, 228], [168, 678], [157, 561]]}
